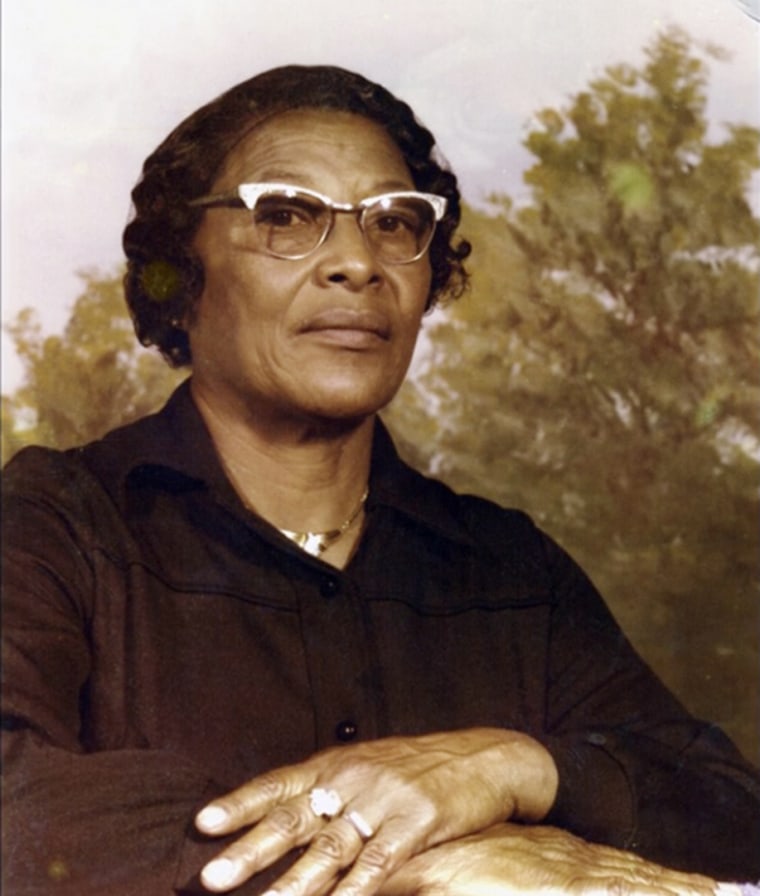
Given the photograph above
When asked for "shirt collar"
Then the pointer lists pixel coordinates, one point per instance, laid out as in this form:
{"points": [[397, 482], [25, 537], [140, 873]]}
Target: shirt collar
{"points": [[173, 449], [427, 501], [170, 450], [177, 439]]}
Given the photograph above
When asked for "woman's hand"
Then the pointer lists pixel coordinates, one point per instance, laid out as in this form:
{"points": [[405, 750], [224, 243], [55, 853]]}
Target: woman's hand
{"points": [[397, 797], [517, 860]]}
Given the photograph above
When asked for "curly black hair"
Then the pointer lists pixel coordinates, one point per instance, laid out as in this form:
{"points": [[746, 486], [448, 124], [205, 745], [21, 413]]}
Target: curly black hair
{"points": [[165, 277]]}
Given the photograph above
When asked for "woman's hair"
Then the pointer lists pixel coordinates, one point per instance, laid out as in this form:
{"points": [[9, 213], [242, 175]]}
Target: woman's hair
{"points": [[164, 276]]}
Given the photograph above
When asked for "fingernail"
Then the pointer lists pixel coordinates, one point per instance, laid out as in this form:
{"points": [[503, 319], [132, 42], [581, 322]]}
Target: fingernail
{"points": [[220, 872], [211, 817]]}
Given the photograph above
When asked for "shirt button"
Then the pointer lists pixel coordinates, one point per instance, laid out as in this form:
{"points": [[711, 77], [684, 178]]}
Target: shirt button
{"points": [[329, 587], [346, 730]]}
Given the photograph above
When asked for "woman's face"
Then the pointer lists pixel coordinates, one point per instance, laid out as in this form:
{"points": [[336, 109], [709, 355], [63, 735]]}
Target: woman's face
{"points": [[328, 336]]}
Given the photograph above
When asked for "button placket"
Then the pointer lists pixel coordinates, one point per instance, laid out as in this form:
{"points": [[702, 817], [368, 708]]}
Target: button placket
{"points": [[338, 657]]}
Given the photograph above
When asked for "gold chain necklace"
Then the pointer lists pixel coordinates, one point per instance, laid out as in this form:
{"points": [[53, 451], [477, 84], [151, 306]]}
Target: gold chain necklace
{"points": [[316, 543]]}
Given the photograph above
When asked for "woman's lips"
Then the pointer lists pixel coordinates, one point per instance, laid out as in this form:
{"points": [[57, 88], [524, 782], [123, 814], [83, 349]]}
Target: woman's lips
{"points": [[349, 327]]}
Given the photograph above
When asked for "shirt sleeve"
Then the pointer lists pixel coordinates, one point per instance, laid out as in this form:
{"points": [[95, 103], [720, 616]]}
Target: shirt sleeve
{"points": [[636, 770], [79, 821]]}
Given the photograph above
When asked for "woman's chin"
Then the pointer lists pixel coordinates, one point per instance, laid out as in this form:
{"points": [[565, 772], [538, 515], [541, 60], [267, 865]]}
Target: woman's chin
{"points": [[348, 400]]}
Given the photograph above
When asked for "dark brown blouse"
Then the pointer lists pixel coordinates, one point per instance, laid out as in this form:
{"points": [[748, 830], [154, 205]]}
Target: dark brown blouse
{"points": [[162, 645]]}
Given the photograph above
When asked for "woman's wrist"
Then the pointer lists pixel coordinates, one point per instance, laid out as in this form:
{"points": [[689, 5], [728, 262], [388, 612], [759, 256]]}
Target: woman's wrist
{"points": [[530, 774]]}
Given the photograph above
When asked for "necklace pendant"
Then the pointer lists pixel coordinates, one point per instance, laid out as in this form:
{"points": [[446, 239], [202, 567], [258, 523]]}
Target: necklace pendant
{"points": [[316, 543], [313, 543]]}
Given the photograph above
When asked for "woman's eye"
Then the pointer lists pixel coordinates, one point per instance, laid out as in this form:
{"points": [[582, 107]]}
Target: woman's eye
{"points": [[396, 223], [389, 223], [283, 215]]}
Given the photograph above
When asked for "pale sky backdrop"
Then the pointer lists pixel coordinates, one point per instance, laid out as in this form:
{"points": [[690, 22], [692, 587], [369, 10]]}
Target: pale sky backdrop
{"points": [[90, 87]]}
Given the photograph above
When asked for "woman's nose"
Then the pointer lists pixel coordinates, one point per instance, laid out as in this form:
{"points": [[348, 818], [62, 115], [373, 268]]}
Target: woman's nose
{"points": [[345, 256]]}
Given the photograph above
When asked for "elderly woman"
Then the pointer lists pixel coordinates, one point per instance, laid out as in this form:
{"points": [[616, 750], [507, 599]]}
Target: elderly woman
{"points": [[248, 649]]}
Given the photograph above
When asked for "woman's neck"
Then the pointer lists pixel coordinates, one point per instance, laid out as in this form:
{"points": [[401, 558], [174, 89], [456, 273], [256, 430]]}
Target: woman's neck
{"points": [[299, 475]]}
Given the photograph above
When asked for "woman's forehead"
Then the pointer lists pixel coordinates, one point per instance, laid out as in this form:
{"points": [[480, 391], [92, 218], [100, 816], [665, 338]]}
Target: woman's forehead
{"points": [[302, 144]]}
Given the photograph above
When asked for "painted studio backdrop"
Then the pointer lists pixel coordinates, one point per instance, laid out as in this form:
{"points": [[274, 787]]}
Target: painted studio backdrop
{"points": [[602, 371]]}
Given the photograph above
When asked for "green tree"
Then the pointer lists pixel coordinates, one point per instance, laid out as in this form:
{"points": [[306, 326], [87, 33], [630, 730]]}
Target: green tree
{"points": [[604, 373], [80, 384]]}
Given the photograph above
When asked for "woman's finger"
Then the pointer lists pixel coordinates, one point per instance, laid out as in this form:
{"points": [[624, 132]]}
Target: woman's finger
{"points": [[331, 851], [251, 802], [380, 857], [333, 846], [351, 847], [284, 828]]}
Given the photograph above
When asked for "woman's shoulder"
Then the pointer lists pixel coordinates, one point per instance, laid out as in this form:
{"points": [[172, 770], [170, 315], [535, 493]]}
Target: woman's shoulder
{"points": [[494, 529], [37, 468]]}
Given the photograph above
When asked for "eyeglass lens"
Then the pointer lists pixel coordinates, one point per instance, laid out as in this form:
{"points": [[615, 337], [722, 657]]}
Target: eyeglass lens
{"points": [[397, 229]]}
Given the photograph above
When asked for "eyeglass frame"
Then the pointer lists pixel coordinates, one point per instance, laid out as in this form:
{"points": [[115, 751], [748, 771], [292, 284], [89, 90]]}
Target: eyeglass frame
{"points": [[249, 193]]}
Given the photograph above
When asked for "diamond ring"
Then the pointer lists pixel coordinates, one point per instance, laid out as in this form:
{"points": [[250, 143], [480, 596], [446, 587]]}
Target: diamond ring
{"points": [[325, 803]]}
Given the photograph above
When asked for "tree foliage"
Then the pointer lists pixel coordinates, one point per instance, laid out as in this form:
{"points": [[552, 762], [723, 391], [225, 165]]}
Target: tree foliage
{"points": [[89, 379], [604, 374]]}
